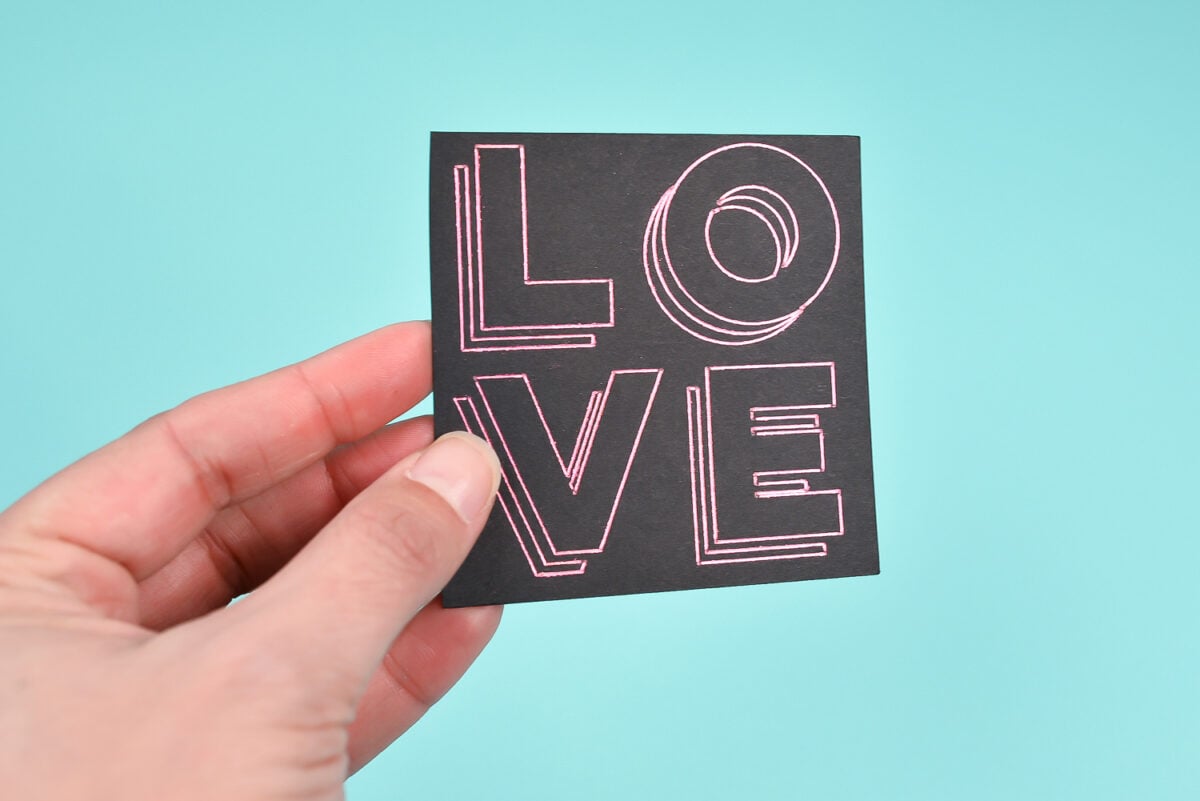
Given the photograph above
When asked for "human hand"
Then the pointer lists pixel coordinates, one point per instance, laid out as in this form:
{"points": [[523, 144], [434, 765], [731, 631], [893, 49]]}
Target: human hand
{"points": [[121, 675]]}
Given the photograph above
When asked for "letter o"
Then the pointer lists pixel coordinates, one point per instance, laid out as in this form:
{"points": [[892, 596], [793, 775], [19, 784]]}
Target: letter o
{"points": [[691, 285]]}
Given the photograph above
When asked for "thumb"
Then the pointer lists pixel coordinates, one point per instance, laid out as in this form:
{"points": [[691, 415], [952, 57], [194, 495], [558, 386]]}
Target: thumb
{"points": [[334, 610]]}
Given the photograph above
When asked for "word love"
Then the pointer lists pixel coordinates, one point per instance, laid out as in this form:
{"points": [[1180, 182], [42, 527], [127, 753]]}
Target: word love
{"points": [[759, 423], [662, 337]]}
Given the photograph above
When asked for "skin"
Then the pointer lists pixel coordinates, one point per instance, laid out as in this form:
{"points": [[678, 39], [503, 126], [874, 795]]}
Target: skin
{"points": [[126, 674]]}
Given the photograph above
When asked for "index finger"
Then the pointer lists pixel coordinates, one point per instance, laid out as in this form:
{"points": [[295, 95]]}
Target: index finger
{"points": [[139, 500]]}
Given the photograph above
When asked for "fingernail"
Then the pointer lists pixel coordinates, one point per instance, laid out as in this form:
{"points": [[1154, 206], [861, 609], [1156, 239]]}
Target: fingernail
{"points": [[462, 469]]}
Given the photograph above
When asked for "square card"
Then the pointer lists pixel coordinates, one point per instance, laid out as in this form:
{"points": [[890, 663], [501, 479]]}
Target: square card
{"points": [[662, 336]]}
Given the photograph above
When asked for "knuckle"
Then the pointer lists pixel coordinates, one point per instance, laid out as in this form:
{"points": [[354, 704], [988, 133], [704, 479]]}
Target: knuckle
{"points": [[410, 682]]}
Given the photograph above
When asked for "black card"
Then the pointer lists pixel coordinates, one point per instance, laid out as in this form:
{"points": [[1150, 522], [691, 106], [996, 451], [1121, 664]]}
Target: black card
{"points": [[662, 337]]}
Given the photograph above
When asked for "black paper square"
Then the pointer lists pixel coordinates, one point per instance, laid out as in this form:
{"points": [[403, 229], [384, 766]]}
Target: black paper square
{"points": [[663, 338]]}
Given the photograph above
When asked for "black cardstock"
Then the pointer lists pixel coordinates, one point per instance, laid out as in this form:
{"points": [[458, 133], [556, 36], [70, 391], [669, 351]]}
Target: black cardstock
{"points": [[662, 336]]}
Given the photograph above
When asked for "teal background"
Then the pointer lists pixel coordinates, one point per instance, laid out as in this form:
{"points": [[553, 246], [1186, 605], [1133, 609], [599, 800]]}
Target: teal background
{"points": [[194, 193]]}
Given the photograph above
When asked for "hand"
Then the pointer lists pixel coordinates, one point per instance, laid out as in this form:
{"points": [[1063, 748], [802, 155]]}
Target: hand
{"points": [[124, 675]]}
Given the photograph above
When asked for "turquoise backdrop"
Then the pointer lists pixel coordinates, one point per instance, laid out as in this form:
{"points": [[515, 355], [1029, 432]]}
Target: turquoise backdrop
{"points": [[192, 193]]}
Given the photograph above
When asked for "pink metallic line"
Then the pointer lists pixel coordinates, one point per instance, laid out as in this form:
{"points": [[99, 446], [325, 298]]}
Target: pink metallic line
{"points": [[465, 313], [696, 460], [665, 284], [470, 341], [711, 464], [789, 493], [724, 542], [728, 367], [586, 432], [528, 527], [784, 244], [658, 373], [717, 539], [792, 492], [573, 467], [785, 493], [583, 458], [795, 431], [798, 420], [765, 548], [771, 413], [473, 328], [777, 478], [779, 246], [587, 435], [767, 494], [812, 549], [790, 234], [585, 424], [669, 279], [662, 287], [579, 453], [528, 280], [536, 534], [779, 431], [577, 565], [516, 471], [787, 240], [666, 254], [508, 501], [710, 548], [757, 412]]}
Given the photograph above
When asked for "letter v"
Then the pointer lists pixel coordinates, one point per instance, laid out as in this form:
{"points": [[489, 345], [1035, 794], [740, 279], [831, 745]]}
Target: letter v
{"points": [[561, 515]]}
